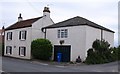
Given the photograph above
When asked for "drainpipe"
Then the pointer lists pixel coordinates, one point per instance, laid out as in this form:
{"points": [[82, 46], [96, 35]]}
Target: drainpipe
{"points": [[101, 34], [45, 34], [3, 35]]}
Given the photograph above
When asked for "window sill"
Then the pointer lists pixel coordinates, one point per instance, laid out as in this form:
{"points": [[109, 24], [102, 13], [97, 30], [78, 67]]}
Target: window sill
{"points": [[22, 39], [8, 54], [62, 38], [22, 55], [9, 40]]}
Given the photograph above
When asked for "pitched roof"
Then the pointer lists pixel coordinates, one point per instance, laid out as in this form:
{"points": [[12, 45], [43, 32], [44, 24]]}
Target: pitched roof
{"points": [[77, 21], [23, 23]]}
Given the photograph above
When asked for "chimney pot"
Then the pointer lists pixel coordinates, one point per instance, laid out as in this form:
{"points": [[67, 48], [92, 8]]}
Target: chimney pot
{"points": [[20, 18], [46, 9]]}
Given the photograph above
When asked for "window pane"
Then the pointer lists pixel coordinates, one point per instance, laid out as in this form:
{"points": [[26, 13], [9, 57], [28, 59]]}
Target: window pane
{"points": [[22, 35], [66, 33], [22, 51], [63, 33], [58, 33], [9, 36], [8, 50]]}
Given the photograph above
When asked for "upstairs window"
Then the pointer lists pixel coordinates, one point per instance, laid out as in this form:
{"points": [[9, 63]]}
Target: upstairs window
{"points": [[9, 36], [22, 35], [8, 50], [63, 33], [22, 51]]}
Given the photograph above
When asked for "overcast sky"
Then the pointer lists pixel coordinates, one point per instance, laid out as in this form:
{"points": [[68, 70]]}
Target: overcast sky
{"points": [[102, 12]]}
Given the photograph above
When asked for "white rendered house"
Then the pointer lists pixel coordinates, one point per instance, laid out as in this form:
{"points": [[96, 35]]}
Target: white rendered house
{"points": [[71, 38], [18, 37]]}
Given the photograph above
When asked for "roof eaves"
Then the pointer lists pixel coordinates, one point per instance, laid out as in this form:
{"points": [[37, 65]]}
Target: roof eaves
{"points": [[9, 28], [101, 27], [53, 26], [17, 28]]}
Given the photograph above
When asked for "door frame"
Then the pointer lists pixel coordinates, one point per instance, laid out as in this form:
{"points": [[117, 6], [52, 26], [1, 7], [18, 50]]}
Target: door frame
{"points": [[61, 46]]}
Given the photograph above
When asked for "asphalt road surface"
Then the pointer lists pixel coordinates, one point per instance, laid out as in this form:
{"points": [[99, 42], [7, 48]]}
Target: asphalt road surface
{"points": [[17, 65]]}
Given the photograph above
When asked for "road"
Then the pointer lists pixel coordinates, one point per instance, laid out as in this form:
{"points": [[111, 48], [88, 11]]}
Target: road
{"points": [[17, 65]]}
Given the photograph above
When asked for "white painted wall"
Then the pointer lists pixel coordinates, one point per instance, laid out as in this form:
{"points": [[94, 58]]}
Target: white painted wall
{"points": [[38, 25], [76, 38], [109, 36], [16, 43], [80, 38], [91, 35]]}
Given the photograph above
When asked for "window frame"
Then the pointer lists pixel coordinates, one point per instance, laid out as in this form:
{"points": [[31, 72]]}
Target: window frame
{"points": [[62, 33], [9, 52], [21, 33], [58, 34], [9, 35], [22, 51]]}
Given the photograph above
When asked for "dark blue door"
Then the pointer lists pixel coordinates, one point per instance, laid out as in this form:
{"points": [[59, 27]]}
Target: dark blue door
{"points": [[65, 50]]}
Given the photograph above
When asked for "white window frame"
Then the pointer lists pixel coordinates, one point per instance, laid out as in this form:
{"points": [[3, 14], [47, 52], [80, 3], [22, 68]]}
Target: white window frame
{"points": [[9, 50], [23, 35], [62, 33], [9, 35], [22, 51]]}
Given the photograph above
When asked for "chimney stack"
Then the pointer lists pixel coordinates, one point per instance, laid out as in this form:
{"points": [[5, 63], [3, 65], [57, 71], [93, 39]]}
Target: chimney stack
{"points": [[20, 18], [3, 29], [46, 11]]}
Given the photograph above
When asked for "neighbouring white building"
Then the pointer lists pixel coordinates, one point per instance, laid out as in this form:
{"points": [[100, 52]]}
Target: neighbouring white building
{"points": [[71, 38]]}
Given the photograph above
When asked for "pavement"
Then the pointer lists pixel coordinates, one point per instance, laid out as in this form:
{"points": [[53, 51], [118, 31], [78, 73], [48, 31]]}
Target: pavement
{"points": [[58, 63]]}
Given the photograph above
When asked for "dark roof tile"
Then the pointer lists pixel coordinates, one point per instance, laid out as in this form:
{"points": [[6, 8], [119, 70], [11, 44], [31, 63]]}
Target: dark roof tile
{"points": [[77, 21], [23, 23]]}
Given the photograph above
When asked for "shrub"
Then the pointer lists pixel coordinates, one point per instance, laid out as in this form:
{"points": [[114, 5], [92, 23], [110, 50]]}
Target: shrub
{"points": [[115, 53], [118, 52], [99, 53], [41, 49]]}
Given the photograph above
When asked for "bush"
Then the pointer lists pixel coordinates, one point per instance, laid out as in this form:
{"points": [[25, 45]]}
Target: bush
{"points": [[99, 53], [41, 49], [118, 52], [115, 53]]}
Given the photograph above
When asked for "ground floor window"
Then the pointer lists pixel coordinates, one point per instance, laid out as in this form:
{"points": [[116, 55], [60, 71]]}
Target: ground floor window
{"points": [[22, 51], [9, 50]]}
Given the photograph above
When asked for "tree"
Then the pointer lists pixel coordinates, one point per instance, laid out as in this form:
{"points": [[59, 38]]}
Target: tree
{"points": [[41, 49]]}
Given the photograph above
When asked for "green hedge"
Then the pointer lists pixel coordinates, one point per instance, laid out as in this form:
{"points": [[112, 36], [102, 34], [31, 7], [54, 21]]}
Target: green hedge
{"points": [[41, 49]]}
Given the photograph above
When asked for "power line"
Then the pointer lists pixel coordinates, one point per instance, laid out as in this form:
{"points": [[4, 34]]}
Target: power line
{"points": [[32, 6]]}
